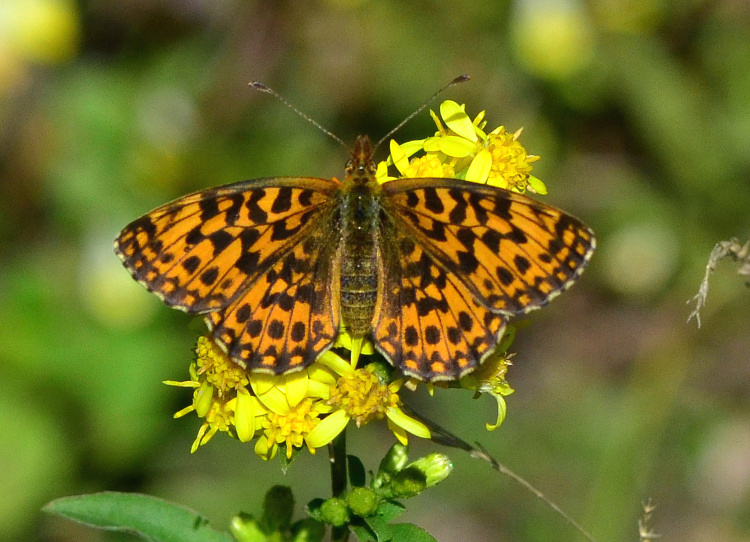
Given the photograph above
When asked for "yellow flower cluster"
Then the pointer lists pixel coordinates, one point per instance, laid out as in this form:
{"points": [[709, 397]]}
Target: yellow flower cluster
{"points": [[306, 408], [462, 149]]}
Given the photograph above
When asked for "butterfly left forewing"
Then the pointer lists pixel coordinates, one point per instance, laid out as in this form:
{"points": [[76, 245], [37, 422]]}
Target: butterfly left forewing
{"points": [[513, 253], [199, 252]]}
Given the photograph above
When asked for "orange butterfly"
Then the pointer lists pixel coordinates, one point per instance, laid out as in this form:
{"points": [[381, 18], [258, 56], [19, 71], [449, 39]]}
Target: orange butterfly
{"points": [[429, 269]]}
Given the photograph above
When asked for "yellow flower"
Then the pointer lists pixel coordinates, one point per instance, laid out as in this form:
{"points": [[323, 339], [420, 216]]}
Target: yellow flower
{"points": [[462, 149], [306, 408], [361, 396], [219, 386]]}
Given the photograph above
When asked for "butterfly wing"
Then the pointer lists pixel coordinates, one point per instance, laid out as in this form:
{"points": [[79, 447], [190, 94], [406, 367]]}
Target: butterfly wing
{"points": [[498, 253], [241, 252], [289, 315], [427, 321]]}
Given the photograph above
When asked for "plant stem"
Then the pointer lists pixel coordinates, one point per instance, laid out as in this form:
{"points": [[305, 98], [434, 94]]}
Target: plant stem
{"points": [[337, 453]]}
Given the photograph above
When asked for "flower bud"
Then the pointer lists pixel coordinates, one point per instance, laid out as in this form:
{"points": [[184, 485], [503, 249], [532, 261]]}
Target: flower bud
{"points": [[335, 512], [362, 501]]}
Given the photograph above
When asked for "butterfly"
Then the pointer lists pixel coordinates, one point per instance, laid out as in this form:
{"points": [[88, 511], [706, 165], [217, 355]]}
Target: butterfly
{"points": [[429, 269]]}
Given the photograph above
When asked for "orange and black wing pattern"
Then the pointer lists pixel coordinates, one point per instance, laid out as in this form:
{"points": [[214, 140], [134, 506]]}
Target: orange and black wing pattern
{"points": [[459, 259], [250, 256]]}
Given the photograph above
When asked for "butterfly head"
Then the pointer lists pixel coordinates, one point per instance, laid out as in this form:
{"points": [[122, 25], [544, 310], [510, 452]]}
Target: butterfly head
{"points": [[361, 167]]}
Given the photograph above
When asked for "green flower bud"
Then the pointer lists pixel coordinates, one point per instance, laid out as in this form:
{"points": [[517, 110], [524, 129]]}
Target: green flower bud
{"points": [[335, 512], [394, 460], [381, 370], [408, 483], [435, 467], [362, 501]]}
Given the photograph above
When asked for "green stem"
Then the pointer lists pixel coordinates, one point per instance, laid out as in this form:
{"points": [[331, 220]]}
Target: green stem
{"points": [[337, 453]]}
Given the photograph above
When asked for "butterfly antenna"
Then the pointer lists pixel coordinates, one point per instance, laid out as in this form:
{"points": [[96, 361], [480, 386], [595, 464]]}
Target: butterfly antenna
{"points": [[268, 90], [460, 79]]}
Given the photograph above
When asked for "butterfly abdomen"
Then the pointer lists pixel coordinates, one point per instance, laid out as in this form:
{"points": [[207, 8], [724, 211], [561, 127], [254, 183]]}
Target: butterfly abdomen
{"points": [[359, 276]]}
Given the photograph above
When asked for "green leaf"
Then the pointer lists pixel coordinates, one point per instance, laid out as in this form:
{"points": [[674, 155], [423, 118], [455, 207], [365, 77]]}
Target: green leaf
{"points": [[278, 507], [313, 508], [408, 532], [148, 517], [362, 530], [357, 473], [397, 532], [379, 527], [389, 510]]}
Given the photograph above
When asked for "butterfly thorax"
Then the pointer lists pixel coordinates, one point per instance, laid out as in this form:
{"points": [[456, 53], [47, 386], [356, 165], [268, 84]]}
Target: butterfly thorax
{"points": [[359, 229]]}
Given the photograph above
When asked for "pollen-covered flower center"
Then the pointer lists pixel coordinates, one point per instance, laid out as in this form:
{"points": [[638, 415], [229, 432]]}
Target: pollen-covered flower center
{"points": [[511, 165], [216, 367], [362, 396], [291, 427], [428, 166]]}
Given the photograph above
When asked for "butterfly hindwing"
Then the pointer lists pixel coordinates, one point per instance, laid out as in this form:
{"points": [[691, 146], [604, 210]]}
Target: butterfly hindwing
{"points": [[290, 315], [427, 322], [513, 253]]}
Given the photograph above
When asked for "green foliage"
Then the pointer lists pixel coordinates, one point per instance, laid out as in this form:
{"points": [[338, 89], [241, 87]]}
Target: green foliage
{"points": [[148, 517], [365, 511]]}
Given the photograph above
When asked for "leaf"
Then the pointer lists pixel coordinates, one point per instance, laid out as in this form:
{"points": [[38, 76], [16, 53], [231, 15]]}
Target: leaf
{"points": [[357, 476], [313, 508], [278, 507], [389, 510], [408, 532], [148, 517], [396, 532], [363, 532]]}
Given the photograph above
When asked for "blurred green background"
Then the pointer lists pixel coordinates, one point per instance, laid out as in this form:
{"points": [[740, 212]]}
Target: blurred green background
{"points": [[641, 113]]}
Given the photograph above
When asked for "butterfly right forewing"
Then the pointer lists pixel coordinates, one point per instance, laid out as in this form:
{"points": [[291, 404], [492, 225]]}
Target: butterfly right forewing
{"points": [[514, 253]]}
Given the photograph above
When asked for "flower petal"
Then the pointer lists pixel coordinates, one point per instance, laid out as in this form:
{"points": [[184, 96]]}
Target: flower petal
{"points": [[203, 399], [336, 363], [415, 427], [412, 147], [275, 400], [261, 382], [400, 160], [327, 429], [398, 432], [244, 416], [480, 167], [296, 387], [457, 147], [457, 120], [322, 374], [264, 450], [536, 185], [501, 410], [319, 390]]}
